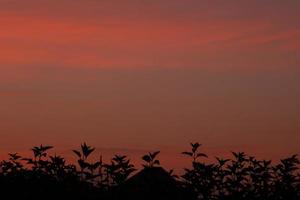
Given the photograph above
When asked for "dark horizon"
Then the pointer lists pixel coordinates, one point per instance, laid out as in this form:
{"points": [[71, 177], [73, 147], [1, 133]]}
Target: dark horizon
{"points": [[241, 177]]}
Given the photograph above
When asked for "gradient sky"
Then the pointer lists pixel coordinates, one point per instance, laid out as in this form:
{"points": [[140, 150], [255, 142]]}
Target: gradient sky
{"points": [[143, 75]]}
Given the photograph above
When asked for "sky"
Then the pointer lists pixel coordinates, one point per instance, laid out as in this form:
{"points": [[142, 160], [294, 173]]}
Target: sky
{"points": [[138, 75]]}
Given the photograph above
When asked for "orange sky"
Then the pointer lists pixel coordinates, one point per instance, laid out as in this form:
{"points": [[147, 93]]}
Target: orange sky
{"points": [[142, 75]]}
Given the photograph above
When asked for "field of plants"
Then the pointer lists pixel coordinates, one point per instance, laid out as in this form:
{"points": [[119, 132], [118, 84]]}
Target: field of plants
{"points": [[240, 177]]}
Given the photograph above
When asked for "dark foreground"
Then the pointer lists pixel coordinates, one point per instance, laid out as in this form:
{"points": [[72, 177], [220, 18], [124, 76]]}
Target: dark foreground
{"points": [[239, 178]]}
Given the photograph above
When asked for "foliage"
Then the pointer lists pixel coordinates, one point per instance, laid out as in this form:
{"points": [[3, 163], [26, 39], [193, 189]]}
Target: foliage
{"points": [[241, 177], [151, 160]]}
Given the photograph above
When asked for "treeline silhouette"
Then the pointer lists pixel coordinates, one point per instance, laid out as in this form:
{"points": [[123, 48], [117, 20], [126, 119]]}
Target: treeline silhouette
{"points": [[241, 177]]}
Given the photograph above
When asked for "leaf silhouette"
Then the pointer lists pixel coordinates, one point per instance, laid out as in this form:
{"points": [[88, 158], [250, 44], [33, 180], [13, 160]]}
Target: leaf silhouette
{"points": [[195, 146], [201, 155], [77, 153], [86, 150], [146, 158], [157, 162], [153, 155], [187, 153]]}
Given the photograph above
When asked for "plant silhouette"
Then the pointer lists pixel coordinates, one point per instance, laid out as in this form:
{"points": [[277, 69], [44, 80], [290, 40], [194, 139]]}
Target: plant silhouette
{"points": [[151, 160], [241, 177]]}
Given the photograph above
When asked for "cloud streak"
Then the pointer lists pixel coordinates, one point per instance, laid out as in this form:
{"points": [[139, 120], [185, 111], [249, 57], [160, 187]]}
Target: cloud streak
{"points": [[113, 43]]}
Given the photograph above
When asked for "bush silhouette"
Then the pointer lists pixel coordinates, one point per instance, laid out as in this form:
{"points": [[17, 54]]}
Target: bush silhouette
{"points": [[241, 177]]}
